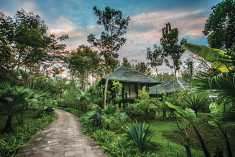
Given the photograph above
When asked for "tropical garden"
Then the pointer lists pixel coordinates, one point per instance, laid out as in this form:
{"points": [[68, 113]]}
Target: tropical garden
{"points": [[198, 121]]}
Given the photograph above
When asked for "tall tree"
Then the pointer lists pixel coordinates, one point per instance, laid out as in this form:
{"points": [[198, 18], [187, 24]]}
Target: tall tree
{"points": [[111, 39], [143, 68], [83, 62], [125, 62], [220, 27], [24, 42], [169, 49]]}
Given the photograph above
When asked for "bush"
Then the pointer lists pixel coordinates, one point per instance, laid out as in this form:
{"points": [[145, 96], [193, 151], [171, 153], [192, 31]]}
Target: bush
{"points": [[146, 109], [111, 116], [133, 110]]}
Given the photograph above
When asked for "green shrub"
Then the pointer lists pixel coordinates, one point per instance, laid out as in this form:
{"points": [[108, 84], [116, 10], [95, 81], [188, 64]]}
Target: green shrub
{"points": [[133, 110], [144, 107], [111, 116]]}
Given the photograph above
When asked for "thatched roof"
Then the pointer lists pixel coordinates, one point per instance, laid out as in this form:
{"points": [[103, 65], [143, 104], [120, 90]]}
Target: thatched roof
{"points": [[168, 86], [128, 75]]}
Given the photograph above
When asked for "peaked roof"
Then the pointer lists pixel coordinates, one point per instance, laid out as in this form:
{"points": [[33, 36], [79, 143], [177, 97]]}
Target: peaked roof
{"points": [[128, 75], [168, 86]]}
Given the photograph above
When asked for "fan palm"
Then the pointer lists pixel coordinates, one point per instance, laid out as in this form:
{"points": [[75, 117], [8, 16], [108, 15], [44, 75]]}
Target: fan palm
{"points": [[112, 115], [10, 99], [195, 101]]}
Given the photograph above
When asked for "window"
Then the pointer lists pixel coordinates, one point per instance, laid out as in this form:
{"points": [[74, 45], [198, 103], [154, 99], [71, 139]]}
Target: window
{"points": [[132, 91], [126, 91], [139, 88]]}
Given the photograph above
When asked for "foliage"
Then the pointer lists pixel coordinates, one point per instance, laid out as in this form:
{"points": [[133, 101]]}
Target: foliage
{"points": [[190, 116], [221, 84], [25, 42], [133, 110], [217, 121], [95, 95], [145, 104], [83, 62], [143, 68], [174, 98], [139, 135], [219, 59], [76, 112], [111, 116], [187, 74], [219, 26], [126, 63], [10, 144], [144, 107], [196, 101], [113, 144], [164, 76], [111, 39], [169, 47], [117, 88], [12, 98], [185, 130]]}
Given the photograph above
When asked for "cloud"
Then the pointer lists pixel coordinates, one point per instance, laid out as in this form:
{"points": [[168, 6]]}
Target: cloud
{"points": [[28, 6], [63, 26], [145, 30]]}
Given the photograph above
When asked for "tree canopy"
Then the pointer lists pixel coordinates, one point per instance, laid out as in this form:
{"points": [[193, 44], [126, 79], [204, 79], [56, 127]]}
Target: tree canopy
{"points": [[83, 62], [24, 42], [219, 27], [111, 39], [170, 48]]}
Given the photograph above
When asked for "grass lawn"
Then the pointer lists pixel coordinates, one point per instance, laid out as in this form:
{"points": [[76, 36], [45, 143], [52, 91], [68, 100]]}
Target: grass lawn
{"points": [[213, 138], [158, 128]]}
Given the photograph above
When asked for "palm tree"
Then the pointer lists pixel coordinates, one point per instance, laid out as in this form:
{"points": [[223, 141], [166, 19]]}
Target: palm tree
{"points": [[10, 99], [196, 101]]}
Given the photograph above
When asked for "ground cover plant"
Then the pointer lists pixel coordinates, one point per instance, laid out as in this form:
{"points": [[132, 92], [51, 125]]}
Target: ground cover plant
{"points": [[13, 141]]}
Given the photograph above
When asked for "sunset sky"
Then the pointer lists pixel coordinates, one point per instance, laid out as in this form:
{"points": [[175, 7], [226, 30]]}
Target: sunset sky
{"points": [[76, 18]]}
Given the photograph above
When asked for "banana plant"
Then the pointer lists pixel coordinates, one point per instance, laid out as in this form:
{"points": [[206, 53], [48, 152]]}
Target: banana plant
{"points": [[216, 110], [219, 59], [222, 84], [190, 116]]}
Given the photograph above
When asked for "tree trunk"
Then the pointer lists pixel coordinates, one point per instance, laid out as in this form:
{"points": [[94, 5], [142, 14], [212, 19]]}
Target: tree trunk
{"points": [[224, 132], [206, 152], [105, 90], [8, 126], [164, 114], [188, 151]]}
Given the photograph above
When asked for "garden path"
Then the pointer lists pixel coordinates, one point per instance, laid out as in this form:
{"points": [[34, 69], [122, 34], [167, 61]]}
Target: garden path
{"points": [[62, 138]]}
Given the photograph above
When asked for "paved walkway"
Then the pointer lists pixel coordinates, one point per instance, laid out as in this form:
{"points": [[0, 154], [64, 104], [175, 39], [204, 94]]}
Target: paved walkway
{"points": [[62, 138]]}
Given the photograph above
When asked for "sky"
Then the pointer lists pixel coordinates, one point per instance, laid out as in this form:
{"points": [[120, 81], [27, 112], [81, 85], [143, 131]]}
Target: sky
{"points": [[76, 18]]}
